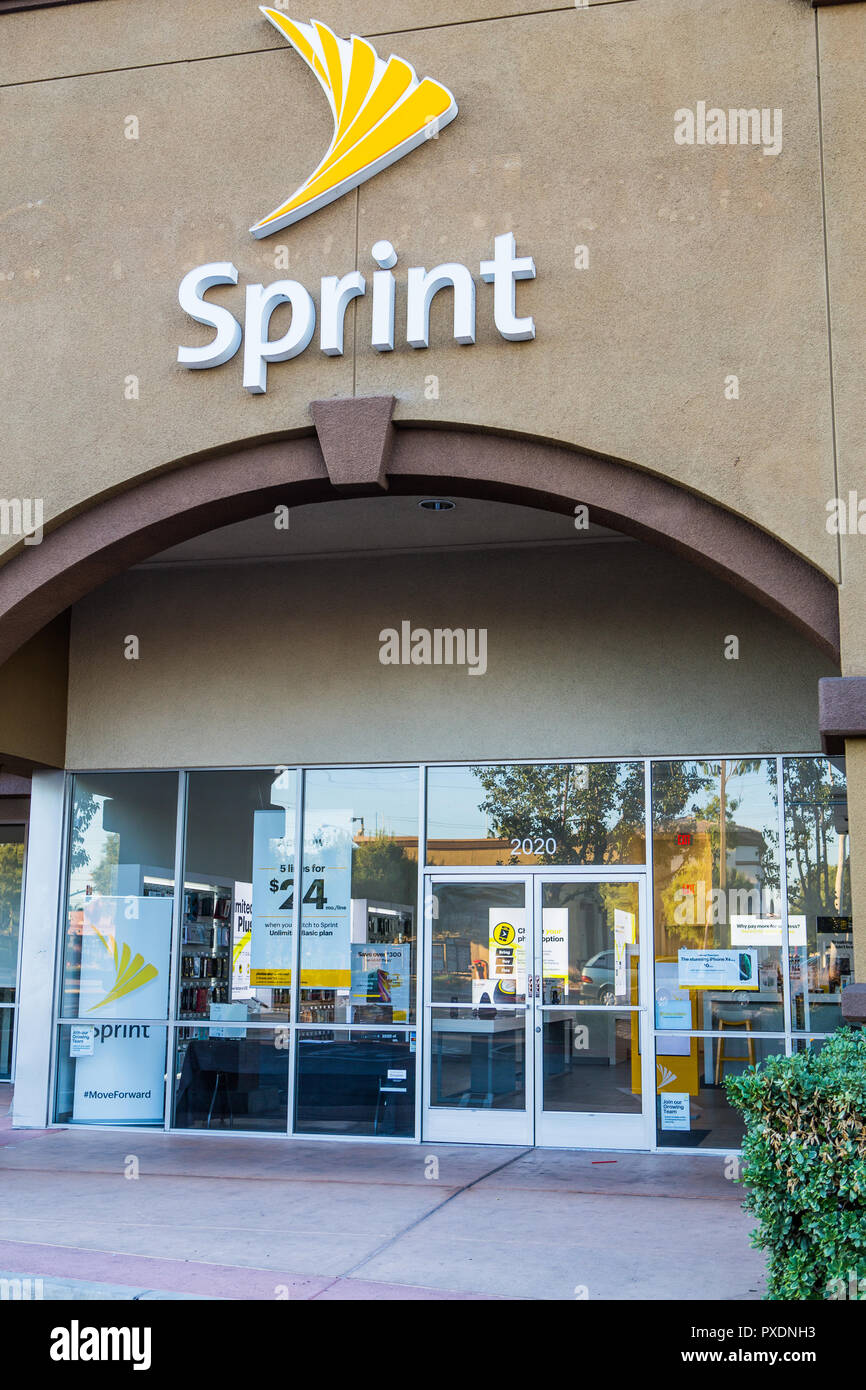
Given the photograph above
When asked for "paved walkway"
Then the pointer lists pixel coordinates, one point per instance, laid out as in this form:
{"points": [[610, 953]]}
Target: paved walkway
{"points": [[239, 1218]]}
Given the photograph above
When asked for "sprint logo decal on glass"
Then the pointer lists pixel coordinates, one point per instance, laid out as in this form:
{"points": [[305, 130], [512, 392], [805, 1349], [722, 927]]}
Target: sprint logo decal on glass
{"points": [[381, 111], [131, 971]]}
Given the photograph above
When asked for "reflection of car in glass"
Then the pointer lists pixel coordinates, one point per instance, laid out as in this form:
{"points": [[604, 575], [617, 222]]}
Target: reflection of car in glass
{"points": [[819, 974], [597, 979], [828, 970]]}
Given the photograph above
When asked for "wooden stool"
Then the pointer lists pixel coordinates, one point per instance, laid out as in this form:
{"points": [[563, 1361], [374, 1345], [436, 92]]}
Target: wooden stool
{"points": [[721, 1056]]}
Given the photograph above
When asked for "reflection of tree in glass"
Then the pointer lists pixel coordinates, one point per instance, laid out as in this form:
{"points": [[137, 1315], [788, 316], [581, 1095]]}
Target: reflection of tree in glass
{"points": [[383, 872], [11, 868], [720, 811], [814, 794], [103, 876], [701, 791], [593, 819], [84, 809]]}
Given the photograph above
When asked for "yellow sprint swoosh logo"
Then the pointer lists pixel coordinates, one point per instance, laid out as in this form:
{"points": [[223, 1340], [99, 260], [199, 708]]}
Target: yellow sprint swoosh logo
{"points": [[239, 946], [381, 111], [131, 971]]}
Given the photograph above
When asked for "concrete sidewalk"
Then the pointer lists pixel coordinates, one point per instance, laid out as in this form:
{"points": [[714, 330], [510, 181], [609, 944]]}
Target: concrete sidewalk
{"points": [[236, 1218]]}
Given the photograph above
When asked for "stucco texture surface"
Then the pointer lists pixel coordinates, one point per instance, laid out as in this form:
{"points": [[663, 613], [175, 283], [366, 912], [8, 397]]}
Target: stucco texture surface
{"points": [[127, 34], [842, 35], [843, 62], [704, 262], [596, 650]]}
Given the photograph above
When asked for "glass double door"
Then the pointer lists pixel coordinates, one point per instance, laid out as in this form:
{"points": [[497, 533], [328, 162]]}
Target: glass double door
{"points": [[536, 1028]]}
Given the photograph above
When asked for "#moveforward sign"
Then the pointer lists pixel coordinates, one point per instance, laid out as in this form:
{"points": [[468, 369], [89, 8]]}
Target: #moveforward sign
{"points": [[120, 1067]]}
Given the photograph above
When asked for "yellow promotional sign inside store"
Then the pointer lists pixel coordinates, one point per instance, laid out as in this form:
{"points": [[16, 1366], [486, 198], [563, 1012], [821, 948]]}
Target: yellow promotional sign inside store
{"points": [[381, 111], [678, 1074], [673, 1072]]}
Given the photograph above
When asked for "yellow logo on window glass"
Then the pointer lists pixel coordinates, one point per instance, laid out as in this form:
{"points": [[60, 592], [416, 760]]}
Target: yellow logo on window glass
{"points": [[381, 111], [131, 971]]}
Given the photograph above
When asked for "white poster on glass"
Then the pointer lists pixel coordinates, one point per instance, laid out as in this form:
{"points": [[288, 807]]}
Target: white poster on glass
{"points": [[125, 947], [380, 975], [326, 908], [228, 1011], [506, 952], [717, 969], [554, 944], [767, 931], [674, 1107], [673, 1005], [242, 932], [81, 1040], [623, 937], [272, 897]]}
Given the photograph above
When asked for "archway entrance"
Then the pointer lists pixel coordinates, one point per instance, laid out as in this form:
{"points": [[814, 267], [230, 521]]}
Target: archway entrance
{"points": [[357, 450]]}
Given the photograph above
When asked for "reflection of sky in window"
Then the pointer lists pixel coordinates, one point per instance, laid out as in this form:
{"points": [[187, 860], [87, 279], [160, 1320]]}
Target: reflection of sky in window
{"points": [[95, 843], [453, 797], [812, 812], [385, 798], [453, 794], [753, 791]]}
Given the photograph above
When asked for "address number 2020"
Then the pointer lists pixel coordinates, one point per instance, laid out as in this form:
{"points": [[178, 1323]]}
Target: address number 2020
{"points": [[534, 844]]}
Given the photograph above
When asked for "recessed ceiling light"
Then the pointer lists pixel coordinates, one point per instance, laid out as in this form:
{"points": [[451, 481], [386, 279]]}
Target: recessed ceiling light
{"points": [[437, 504]]}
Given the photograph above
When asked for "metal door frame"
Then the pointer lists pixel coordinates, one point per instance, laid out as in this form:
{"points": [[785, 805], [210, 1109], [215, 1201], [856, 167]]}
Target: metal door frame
{"points": [[475, 1125], [467, 1124], [588, 1129]]}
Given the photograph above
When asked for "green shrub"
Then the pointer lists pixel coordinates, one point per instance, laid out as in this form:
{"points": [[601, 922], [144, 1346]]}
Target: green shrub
{"points": [[805, 1165]]}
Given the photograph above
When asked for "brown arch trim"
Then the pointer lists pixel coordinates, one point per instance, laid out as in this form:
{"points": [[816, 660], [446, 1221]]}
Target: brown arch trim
{"points": [[39, 582]]}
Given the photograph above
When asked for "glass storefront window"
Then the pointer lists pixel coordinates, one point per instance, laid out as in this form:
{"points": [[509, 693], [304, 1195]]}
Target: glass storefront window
{"points": [[820, 934], [359, 896], [478, 1058], [11, 878], [716, 890], [600, 924], [520, 814], [236, 921], [7, 1036], [120, 895], [478, 1043], [692, 1109], [591, 1062], [231, 1077], [350, 1081], [111, 1073], [465, 917], [351, 1044], [808, 1044]]}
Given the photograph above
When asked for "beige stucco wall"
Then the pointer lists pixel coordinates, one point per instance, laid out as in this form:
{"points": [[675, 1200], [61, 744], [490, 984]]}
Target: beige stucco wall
{"points": [[843, 61], [600, 649], [703, 262], [33, 698]]}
